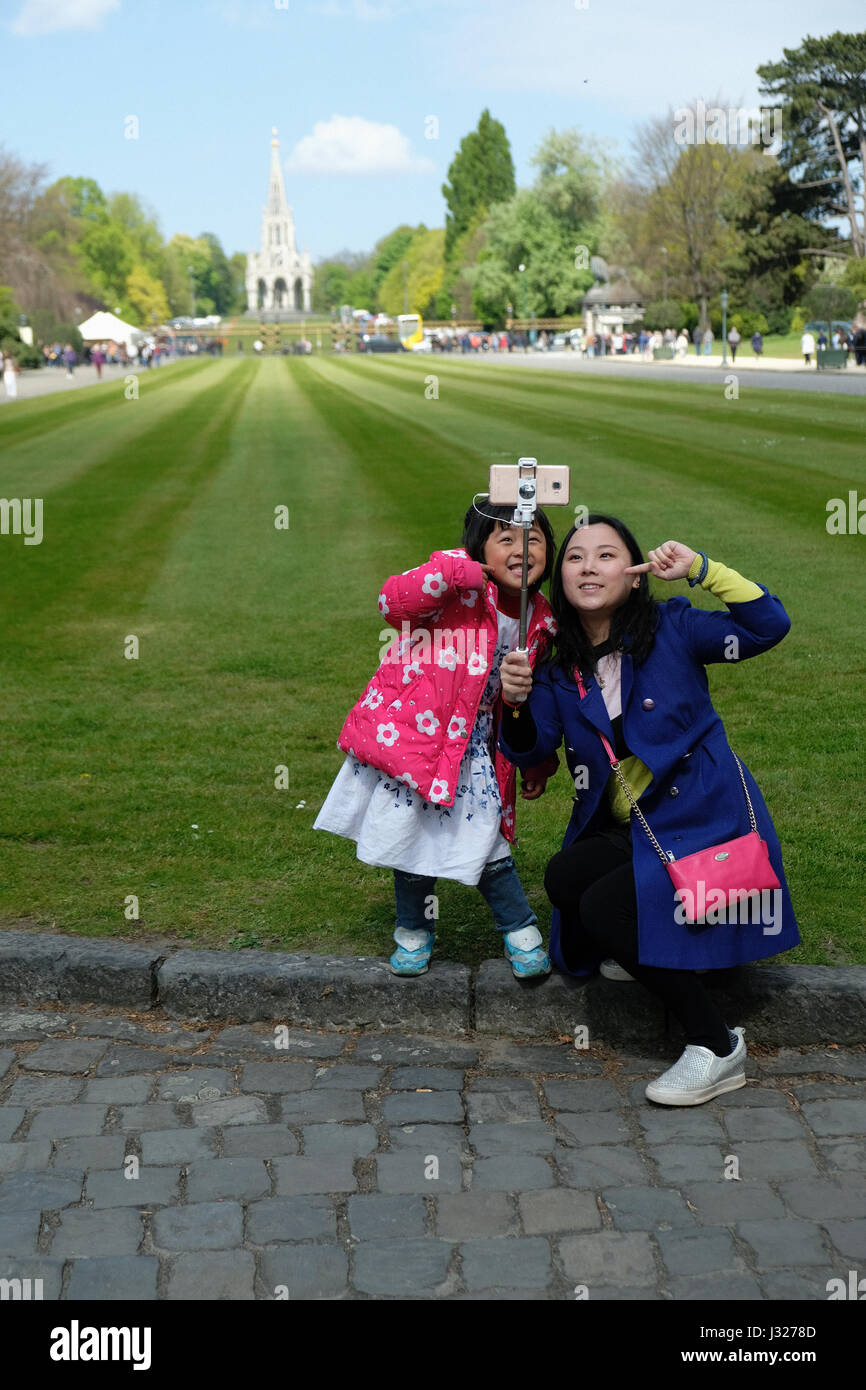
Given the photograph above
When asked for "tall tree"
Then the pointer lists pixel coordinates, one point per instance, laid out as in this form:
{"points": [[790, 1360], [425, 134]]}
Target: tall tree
{"points": [[822, 87], [678, 210], [481, 174]]}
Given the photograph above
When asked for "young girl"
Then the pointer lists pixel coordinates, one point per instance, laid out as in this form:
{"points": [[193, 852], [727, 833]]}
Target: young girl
{"points": [[422, 790]]}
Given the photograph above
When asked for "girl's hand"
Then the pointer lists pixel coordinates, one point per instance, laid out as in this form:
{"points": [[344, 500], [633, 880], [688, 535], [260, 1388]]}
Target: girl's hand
{"points": [[530, 791], [516, 678], [673, 560]]}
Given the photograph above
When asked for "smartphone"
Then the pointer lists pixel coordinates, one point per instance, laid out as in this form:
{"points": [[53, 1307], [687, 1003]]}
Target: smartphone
{"points": [[551, 483]]}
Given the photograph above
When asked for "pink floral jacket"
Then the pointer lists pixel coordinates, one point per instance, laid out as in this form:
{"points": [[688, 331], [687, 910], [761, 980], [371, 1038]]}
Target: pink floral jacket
{"points": [[415, 717]]}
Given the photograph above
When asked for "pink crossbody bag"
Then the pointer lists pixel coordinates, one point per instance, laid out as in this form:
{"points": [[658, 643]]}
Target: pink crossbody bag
{"points": [[729, 872]]}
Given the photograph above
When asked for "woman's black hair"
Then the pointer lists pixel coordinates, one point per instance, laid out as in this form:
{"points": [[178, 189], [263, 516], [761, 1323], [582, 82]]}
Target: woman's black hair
{"points": [[632, 626], [478, 526]]}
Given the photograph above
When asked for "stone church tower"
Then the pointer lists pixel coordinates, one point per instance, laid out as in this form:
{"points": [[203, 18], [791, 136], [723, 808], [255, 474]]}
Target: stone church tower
{"points": [[279, 280]]}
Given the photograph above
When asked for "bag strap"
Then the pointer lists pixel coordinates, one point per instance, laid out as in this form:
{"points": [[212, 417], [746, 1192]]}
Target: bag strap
{"points": [[618, 772]]}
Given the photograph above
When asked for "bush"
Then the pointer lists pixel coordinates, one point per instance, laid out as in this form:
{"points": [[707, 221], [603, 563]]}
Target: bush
{"points": [[779, 319], [798, 321], [24, 354], [827, 302], [748, 321], [665, 313]]}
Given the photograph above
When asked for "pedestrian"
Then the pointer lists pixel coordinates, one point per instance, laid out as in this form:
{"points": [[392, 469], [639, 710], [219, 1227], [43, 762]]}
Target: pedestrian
{"points": [[632, 672], [697, 338], [757, 344], [807, 347], [69, 358], [734, 340], [97, 357], [822, 340], [11, 372], [421, 790], [859, 345], [682, 345], [708, 341]]}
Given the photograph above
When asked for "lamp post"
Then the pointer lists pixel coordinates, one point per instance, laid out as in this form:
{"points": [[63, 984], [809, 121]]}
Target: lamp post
{"points": [[723, 300]]}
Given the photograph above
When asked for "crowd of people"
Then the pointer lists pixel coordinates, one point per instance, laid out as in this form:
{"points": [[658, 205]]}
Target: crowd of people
{"points": [[840, 340]]}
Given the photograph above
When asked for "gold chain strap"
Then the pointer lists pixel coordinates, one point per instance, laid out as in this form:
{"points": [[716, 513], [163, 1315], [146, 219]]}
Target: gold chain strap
{"points": [[643, 820]]}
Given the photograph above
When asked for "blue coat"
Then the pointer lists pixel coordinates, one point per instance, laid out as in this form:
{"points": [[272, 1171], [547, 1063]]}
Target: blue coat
{"points": [[695, 798]]}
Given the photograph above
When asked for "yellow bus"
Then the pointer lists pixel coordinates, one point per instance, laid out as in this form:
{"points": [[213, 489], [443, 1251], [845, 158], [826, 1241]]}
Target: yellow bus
{"points": [[410, 330]]}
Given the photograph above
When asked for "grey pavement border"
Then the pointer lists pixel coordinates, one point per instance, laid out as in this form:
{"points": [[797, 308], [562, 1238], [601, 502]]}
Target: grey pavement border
{"points": [[779, 1005]]}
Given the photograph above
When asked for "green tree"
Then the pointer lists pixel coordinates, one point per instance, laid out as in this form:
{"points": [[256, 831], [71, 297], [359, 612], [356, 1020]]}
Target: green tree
{"points": [[481, 174], [776, 224], [145, 294], [425, 258], [387, 252], [525, 231], [822, 88]]}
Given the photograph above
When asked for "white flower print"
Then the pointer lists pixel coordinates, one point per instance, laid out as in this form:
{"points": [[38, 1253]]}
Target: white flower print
{"points": [[434, 584], [413, 669], [427, 722], [457, 727], [476, 664], [448, 657], [469, 599], [460, 553], [396, 704], [438, 789], [372, 699], [383, 605], [387, 734], [508, 816], [410, 781]]}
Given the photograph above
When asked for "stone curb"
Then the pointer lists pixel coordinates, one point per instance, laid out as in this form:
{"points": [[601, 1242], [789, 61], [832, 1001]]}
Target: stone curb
{"points": [[779, 1005]]}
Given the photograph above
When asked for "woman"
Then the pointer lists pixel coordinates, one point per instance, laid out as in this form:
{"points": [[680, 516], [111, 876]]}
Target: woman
{"points": [[10, 375], [642, 668]]}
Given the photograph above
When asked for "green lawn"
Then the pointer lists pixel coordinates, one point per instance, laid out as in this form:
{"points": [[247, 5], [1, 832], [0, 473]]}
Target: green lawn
{"points": [[155, 777]]}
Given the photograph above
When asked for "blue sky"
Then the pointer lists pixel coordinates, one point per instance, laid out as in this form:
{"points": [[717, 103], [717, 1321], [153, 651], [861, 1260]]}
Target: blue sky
{"points": [[351, 86]]}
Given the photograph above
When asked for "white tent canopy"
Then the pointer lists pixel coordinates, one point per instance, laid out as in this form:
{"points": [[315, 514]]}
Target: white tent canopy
{"points": [[103, 327]]}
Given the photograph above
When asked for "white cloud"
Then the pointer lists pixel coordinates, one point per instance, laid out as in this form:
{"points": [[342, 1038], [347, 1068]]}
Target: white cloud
{"points": [[353, 145], [49, 16]]}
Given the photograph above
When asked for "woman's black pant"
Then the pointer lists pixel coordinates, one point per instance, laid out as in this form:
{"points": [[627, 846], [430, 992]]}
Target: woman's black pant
{"points": [[592, 884]]}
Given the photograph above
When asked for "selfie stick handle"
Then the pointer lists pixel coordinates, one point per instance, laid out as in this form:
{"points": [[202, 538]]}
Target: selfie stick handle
{"points": [[524, 516]]}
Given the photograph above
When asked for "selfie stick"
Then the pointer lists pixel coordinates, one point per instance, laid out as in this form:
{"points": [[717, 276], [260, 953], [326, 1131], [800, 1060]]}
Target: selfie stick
{"points": [[524, 515]]}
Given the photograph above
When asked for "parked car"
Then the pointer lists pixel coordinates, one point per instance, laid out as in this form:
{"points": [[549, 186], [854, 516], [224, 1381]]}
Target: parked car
{"points": [[379, 342]]}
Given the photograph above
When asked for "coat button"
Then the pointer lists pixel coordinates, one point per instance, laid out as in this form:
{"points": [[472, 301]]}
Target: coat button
{"points": [[674, 791], [648, 704]]}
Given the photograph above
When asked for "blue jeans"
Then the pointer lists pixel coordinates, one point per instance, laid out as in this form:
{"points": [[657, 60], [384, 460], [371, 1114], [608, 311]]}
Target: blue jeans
{"points": [[499, 885]]}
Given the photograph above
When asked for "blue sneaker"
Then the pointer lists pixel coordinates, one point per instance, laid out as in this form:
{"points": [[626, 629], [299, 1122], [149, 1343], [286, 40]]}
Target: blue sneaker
{"points": [[405, 962], [525, 964]]}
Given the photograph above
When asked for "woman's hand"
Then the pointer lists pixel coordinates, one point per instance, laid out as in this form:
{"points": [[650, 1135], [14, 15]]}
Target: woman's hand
{"points": [[516, 677], [673, 560]]}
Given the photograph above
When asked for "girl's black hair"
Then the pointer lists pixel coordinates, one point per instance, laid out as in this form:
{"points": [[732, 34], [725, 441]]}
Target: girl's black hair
{"points": [[477, 527], [632, 626]]}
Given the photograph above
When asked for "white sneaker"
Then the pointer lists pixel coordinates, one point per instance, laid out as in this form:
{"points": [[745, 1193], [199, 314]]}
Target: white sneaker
{"points": [[612, 971], [700, 1074]]}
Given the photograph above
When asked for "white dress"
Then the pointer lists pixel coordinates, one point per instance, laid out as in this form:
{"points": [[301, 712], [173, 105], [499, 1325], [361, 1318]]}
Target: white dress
{"points": [[10, 381], [394, 829]]}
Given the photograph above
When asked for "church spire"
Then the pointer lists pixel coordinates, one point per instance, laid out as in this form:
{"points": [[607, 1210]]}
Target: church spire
{"points": [[276, 190]]}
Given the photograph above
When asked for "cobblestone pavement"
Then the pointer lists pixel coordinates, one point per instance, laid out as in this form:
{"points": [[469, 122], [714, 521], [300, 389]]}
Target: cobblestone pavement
{"points": [[145, 1160]]}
